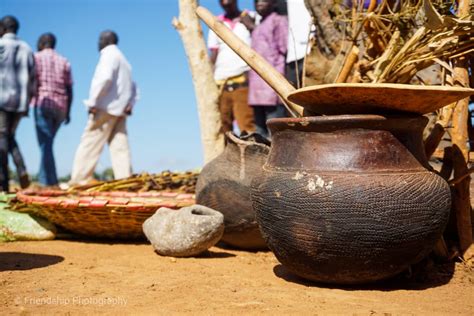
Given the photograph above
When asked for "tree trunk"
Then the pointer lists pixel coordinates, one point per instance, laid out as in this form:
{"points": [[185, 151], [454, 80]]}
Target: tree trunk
{"points": [[207, 94], [328, 50], [328, 38]]}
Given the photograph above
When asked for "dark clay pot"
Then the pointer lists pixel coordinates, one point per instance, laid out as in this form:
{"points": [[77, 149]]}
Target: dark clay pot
{"points": [[348, 199], [225, 183]]}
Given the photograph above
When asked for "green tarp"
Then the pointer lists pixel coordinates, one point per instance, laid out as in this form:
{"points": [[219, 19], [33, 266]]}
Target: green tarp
{"points": [[21, 226]]}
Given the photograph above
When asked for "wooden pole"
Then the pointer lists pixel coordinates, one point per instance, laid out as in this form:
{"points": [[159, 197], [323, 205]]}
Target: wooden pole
{"points": [[374, 36], [447, 168], [461, 203], [348, 65], [441, 250], [459, 133], [207, 94], [433, 140]]}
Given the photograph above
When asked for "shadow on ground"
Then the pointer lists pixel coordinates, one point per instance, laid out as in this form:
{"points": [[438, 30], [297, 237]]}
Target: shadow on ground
{"points": [[214, 254], [224, 246], [11, 261], [424, 275], [208, 254], [68, 236]]}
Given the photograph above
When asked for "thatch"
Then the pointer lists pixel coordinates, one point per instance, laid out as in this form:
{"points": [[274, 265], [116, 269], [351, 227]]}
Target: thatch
{"points": [[398, 39]]}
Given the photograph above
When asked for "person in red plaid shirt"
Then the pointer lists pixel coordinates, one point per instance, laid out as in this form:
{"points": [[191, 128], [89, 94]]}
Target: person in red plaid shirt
{"points": [[52, 103]]}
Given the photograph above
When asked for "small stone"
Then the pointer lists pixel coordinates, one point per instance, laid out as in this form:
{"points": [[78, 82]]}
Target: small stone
{"points": [[186, 232]]}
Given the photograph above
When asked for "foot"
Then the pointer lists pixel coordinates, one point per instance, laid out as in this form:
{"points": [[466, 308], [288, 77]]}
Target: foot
{"points": [[64, 186], [24, 181]]}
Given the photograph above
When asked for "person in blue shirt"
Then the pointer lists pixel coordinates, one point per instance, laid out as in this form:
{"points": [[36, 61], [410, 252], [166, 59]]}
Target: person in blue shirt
{"points": [[16, 89]]}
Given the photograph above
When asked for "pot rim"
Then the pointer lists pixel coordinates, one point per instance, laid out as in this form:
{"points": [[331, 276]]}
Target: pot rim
{"points": [[349, 121]]}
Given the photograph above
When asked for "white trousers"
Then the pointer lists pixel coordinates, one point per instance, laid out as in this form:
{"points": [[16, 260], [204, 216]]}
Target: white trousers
{"points": [[100, 129]]}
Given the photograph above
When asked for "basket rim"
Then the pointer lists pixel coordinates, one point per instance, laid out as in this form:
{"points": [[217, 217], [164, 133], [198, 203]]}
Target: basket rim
{"points": [[128, 200]]}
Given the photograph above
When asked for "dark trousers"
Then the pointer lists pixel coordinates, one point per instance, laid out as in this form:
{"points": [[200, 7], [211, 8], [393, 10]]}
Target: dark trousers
{"points": [[47, 124], [8, 124], [265, 112], [294, 72]]}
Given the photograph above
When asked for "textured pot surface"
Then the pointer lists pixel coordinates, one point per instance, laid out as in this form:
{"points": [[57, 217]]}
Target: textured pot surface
{"points": [[225, 183], [347, 199]]}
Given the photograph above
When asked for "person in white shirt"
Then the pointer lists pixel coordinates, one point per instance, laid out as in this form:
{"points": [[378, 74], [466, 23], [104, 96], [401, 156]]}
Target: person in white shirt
{"points": [[230, 71], [299, 28], [111, 98]]}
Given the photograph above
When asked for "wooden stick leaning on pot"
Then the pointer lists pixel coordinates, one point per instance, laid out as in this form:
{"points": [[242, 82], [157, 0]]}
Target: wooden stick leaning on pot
{"points": [[276, 80]]}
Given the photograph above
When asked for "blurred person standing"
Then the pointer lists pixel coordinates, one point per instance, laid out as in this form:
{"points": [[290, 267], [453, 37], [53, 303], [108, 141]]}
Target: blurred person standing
{"points": [[52, 104], [16, 89], [111, 98], [270, 40], [2, 29], [299, 28], [230, 71]]}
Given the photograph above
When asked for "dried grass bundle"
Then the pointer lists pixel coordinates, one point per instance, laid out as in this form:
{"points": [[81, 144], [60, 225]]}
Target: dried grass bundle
{"points": [[400, 38], [166, 181]]}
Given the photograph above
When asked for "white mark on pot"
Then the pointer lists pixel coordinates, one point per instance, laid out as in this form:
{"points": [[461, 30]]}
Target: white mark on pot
{"points": [[242, 161], [299, 175], [277, 194], [319, 182], [291, 124]]}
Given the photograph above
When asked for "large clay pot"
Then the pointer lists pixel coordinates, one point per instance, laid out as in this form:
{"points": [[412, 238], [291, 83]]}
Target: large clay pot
{"points": [[348, 199], [225, 183]]}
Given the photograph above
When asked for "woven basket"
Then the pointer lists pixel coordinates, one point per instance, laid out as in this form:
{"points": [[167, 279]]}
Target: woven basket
{"points": [[117, 215]]}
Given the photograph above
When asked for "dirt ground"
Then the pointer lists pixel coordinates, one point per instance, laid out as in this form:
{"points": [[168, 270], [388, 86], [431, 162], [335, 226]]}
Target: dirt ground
{"points": [[87, 277]]}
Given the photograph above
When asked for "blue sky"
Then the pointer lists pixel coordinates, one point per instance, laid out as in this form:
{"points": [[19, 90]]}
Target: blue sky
{"points": [[164, 130]]}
